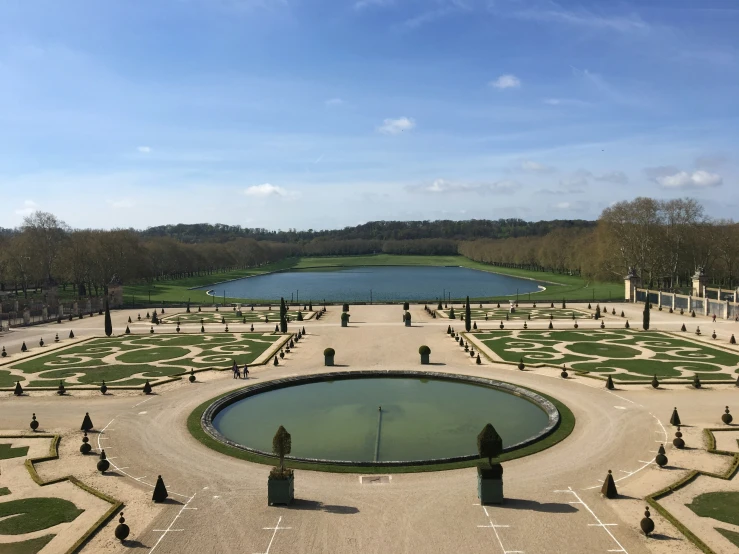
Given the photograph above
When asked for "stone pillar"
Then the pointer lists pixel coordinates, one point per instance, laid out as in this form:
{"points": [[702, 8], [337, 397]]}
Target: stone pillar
{"points": [[631, 282], [88, 308], [690, 303], [75, 309], [659, 299], [26, 316], [60, 311], [15, 307], [45, 313], [726, 310], [699, 283], [674, 298]]}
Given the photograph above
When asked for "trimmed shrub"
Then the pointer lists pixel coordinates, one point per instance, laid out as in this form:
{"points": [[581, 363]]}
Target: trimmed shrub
{"points": [[424, 350], [329, 352], [489, 443]]}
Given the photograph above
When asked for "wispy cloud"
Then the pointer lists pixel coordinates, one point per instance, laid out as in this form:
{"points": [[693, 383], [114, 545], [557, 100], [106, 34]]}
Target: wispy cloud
{"points": [[144, 149], [586, 19], [565, 102], [396, 126], [608, 91], [363, 4], [506, 81], [536, 167], [618, 177], [334, 102], [442, 186]]}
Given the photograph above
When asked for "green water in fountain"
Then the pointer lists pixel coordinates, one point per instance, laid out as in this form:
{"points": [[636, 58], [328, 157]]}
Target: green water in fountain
{"points": [[420, 419]]}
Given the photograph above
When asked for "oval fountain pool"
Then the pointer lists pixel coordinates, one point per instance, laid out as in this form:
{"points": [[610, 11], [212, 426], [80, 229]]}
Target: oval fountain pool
{"points": [[380, 418]]}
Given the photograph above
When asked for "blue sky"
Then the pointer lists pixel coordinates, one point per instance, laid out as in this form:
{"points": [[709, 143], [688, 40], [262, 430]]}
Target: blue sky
{"points": [[321, 114]]}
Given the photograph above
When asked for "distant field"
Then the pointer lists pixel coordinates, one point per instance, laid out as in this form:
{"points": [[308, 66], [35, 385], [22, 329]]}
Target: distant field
{"points": [[560, 287]]}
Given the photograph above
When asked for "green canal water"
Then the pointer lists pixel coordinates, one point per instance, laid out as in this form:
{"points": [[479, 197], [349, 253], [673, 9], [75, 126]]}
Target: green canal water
{"points": [[420, 418]]}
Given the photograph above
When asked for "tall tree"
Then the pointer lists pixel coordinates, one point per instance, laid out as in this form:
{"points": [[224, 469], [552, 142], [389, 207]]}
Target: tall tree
{"points": [[467, 316], [283, 316], [108, 323], [645, 318]]}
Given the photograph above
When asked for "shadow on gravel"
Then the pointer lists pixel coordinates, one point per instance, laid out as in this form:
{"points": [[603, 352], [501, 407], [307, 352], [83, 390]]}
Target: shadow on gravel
{"points": [[299, 504], [134, 544], [172, 501], [661, 537], [533, 505]]}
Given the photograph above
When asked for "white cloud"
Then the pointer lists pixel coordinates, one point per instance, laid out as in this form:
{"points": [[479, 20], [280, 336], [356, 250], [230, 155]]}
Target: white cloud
{"points": [[29, 206], [144, 149], [396, 126], [442, 186], [334, 102], [683, 179], [536, 167], [506, 81], [562, 205], [266, 190]]}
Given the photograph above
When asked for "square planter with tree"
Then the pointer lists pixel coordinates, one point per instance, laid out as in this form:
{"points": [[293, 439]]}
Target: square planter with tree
{"points": [[425, 352], [489, 475], [328, 357], [281, 483]]}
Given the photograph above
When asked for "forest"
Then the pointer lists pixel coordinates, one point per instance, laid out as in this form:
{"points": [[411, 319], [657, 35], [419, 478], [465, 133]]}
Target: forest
{"points": [[664, 241]]}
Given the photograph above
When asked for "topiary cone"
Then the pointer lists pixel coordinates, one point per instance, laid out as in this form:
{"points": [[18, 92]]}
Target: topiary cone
{"points": [[655, 382], [732, 340], [276, 361], [627, 324], [122, 530], [86, 423], [192, 376], [56, 338], [696, 382], [660, 458], [34, 423], [41, 341], [18, 389], [520, 365], [24, 348], [60, 391], [564, 373], [103, 387], [202, 328], [550, 325], [4, 353], [478, 361], [727, 417], [160, 491], [147, 388], [609, 487], [103, 463], [678, 441], [71, 334], [85, 447], [609, 383], [647, 525], [675, 418]]}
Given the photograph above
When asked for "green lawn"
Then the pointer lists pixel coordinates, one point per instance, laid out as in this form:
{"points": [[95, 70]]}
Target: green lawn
{"points": [[31, 546], [34, 514], [131, 360], [560, 286], [6, 379], [625, 354], [4, 491], [209, 315], [731, 536], [493, 313], [7, 451], [721, 506]]}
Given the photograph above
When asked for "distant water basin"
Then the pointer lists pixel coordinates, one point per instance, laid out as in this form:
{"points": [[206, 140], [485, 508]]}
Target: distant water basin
{"points": [[378, 284]]}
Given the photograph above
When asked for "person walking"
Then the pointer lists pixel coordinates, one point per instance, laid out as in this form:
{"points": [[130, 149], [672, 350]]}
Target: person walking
{"points": [[246, 371]]}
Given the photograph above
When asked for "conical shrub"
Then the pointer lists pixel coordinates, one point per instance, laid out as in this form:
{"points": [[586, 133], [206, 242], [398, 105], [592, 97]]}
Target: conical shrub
{"points": [[160, 491], [147, 388], [609, 383], [609, 487], [675, 418], [18, 389], [86, 423]]}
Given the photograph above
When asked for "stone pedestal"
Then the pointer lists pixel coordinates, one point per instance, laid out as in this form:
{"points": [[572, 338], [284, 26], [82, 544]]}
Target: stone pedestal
{"points": [[26, 316], [45, 313], [75, 309]]}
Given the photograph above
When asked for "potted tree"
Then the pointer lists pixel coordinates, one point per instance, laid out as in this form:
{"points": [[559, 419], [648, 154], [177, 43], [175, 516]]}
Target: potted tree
{"points": [[280, 485], [489, 475], [425, 352], [345, 319], [407, 318], [328, 357]]}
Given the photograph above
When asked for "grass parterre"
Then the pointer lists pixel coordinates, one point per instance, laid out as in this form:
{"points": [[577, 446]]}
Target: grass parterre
{"points": [[132, 360], [624, 354]]}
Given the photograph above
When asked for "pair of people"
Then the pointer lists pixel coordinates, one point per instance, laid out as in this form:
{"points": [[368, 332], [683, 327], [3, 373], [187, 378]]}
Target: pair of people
{"points": [[237, 372]]}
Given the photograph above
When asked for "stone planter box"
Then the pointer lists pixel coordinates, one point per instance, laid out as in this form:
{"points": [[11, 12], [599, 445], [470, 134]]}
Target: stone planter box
{"points": [[281, 491], [328, 361], [407, 322], [425, 359], [345, 323], [489, 488]]}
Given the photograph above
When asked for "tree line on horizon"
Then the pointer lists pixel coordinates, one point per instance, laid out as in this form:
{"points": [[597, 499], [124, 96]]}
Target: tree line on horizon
{"points": [[664, 241]]}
